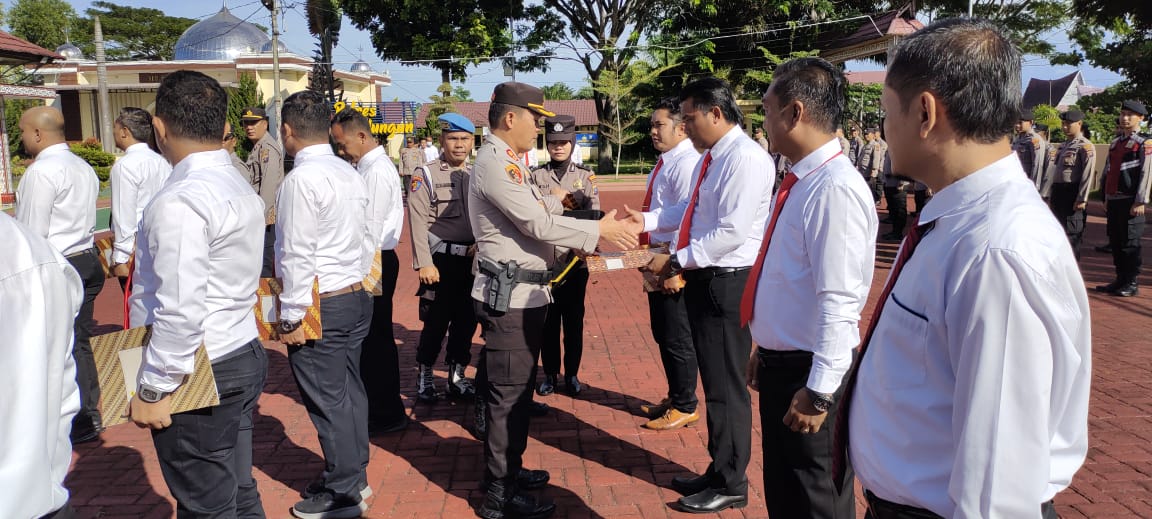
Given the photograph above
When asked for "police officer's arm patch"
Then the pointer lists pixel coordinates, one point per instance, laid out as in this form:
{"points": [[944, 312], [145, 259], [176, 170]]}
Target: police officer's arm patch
{"points": [[1148, 147], [417, 183], [1089, 149], [514, 173], [264, 155]]}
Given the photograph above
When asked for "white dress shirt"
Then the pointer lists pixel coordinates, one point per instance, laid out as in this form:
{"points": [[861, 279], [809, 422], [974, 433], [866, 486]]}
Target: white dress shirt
{"points": [[972, 398], [431, 153], [673, 182], [197, 267], [818, 269], [732, 208], [135, 178], [40, 294], [57, 199], [321, 228], [385, 204]]}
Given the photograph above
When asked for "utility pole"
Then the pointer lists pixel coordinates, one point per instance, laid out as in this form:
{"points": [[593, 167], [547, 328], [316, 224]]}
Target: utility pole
{"points": [[970, 2], [106, 139], [274, 117]]}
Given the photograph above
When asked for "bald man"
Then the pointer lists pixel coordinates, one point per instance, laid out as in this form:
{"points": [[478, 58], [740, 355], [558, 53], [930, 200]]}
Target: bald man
{"points": [[56, 199]]}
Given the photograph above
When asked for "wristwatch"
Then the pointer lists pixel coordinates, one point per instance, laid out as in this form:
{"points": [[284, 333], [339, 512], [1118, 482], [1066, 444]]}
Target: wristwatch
{"points": [[288, 326], [674, 267], [821, 401], [150, 394]]}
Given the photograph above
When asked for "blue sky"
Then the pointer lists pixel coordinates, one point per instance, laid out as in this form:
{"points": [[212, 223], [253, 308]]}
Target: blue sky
{"points": [[414, 83]]}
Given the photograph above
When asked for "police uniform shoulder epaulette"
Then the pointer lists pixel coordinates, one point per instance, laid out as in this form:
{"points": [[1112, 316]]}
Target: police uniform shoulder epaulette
{"points": [[538, 168]]}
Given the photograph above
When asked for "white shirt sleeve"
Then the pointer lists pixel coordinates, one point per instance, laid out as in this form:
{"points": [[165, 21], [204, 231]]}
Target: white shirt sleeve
{"points": [[296, 243], [1017, 357], [35, 199], [394, 220], [177, 240], [125, 191]]}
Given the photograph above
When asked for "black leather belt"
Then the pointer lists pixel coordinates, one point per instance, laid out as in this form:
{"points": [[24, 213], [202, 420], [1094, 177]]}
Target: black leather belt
{"points": [[712, 272], [883, 509], [92, 250], [534, 277]]}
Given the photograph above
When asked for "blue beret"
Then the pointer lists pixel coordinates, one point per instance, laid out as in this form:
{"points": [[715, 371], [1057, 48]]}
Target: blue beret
{"points": [[451, 122]]}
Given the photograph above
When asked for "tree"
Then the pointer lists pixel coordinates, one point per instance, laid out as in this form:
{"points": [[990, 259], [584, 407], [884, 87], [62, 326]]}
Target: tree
{"points": [[1025, 21], [558, 91], [247, 93], [617, 89], [1116, 36], [462, 94], [132, 33], [451, 35], [43, 22], [863, 106], [324, 23], [1049, 116], [441, 104]]}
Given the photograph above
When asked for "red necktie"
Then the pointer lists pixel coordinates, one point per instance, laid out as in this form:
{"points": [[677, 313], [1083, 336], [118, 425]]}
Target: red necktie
{"points": [[686, 222], [748, 300], [644, 240], [840, 433]]}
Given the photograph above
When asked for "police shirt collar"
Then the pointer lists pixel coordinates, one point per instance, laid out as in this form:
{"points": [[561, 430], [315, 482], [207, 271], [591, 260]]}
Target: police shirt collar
{"points": [[964, 192], [817, 158], [500, 144], [201, 160], [314, 150]]}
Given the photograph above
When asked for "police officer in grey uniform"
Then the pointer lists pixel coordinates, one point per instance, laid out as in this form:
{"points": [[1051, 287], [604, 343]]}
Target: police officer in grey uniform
{"points": [[576, 186], [855, 144], [1030, 147], [266, 171], [897, 198], [1070, 178], [872, 160], [1127, 182], [516, 236], [442, 252]]}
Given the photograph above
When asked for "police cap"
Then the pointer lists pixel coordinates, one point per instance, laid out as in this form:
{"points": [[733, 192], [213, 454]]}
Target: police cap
{"points": [[1134, 106], [522, 95], [560, 128], [1026, 114], [1072, 116], [253, 113], [453, 122]]}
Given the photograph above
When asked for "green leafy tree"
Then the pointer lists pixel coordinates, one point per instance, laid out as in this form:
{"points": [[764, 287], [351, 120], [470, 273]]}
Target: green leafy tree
{"points": [[863, 104], [247, 93], [1116, 36], [131, 33], [324, 23], [558, 91], [43, 22], [462, 94], [441, 104], [617, 89], [1049, 116]]}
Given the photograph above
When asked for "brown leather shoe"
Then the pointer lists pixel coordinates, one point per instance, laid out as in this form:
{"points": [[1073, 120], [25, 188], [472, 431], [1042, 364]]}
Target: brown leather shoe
{"points": [[673, 419], [656, 410]]}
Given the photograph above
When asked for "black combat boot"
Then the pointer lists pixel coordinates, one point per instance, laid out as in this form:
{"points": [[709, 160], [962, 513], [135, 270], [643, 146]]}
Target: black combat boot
{"points": [[504, 501]]}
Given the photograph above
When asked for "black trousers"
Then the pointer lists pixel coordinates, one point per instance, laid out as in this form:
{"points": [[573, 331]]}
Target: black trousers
{"points": [[1124, 232], [508, 364], [87, 265], [921, 198], [881, 509], [1063, 201], [268, 270], [877, 185], [567, 311], [206, 454], [379, 358], [722, 349], [897, 207], [448, 313], [328, 374], [670, 329], [797, 466]]}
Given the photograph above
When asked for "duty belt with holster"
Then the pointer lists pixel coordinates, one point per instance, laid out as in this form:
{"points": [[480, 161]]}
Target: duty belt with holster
{"points": [[503, 277]]}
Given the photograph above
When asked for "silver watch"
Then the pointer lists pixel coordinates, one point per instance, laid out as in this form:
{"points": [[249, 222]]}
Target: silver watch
{"points": [[150, 394]]}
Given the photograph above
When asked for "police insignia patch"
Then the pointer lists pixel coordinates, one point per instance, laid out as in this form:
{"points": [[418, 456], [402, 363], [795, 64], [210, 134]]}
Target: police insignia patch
{"points": [[263, 154], [578, 185], [417, 183], [514, 173], [1089, 148], [511, 154]]}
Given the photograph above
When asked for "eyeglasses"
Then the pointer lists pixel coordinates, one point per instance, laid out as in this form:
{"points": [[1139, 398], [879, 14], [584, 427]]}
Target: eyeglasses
{"points": [[229, 137]]}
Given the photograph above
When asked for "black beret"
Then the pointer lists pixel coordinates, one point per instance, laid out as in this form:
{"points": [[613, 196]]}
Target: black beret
{"points": [[1072, 116], [1026, 114], [1135, 106]]}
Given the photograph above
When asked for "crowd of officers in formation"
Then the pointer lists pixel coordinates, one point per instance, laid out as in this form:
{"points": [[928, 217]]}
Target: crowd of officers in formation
{"points": [[973, 402]]}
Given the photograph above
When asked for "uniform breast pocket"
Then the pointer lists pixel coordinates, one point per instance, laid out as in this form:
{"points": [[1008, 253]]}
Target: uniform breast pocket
{"points": [[900, 345], [451, 209], [1070, 159]]}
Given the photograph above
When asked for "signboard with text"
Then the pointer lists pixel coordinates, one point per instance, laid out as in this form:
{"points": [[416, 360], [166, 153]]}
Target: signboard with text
{"points": [[386, 118]]}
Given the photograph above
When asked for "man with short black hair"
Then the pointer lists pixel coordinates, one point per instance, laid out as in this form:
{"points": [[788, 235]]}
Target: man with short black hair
{"points": [[719, 229], [197, 270], [135, 179], [1127, 182], [810, 282], [1071, 174], [322, 237], [969, 395], [1030, 147]]}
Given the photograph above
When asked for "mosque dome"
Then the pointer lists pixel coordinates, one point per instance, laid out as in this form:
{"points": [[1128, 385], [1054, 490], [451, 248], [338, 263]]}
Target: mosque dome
{"points": [[267, 48], [221, 37], [361, 67], [70, 52]]}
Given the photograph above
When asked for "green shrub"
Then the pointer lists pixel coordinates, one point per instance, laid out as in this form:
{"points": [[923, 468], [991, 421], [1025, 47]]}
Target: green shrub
{"points": [[93, 155], [102, 172]]}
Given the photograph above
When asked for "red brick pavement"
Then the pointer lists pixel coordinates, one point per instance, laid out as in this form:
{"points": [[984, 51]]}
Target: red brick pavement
{"points": [[603, 464]]}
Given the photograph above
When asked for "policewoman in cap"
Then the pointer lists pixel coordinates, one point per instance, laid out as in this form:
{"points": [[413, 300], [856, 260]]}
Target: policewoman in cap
{"points": [[516, 237], [265, 172], [1126, 184], [575, 187], [442, 253], [1069, 178]]}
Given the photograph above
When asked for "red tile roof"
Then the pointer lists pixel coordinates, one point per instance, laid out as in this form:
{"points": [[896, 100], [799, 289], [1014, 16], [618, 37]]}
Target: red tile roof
{"points": [[866, 77], [584, 110], [16, 51]]}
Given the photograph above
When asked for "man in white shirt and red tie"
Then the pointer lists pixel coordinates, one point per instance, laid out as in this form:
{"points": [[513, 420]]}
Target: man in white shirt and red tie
{"points": [[718, 233], [969, 397], [135, 179], [322, 234], [197, 270], [807, 289], [669, 184], [56, 199]]}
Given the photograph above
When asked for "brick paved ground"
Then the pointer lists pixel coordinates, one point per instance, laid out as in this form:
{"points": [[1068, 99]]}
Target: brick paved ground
{"points": [[603, 464]]}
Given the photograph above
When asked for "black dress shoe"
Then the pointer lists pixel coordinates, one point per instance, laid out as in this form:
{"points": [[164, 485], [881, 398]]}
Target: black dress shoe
{"points": [[504, 501], [1127, 290], [1110, 288], [689, 485], [86, 428], [532, 479], [573, 386], [548, 386], [711, 501], [538, 409]]}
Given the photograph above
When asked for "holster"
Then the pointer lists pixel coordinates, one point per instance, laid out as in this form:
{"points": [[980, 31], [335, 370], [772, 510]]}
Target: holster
{"points": [[502, 278]]}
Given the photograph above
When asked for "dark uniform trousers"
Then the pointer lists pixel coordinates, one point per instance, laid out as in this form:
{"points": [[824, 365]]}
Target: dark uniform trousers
{"points": [[1063, 200], [670, 329], [87, 265], [1124, 232], [449, 312], [379, 358], [328, 373], [206, 454], [507, 370], [65, 512], [881, 509], [712, 297], [567, 312], [797, 466], [920, 197], [897, 207], [268, 267]]}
